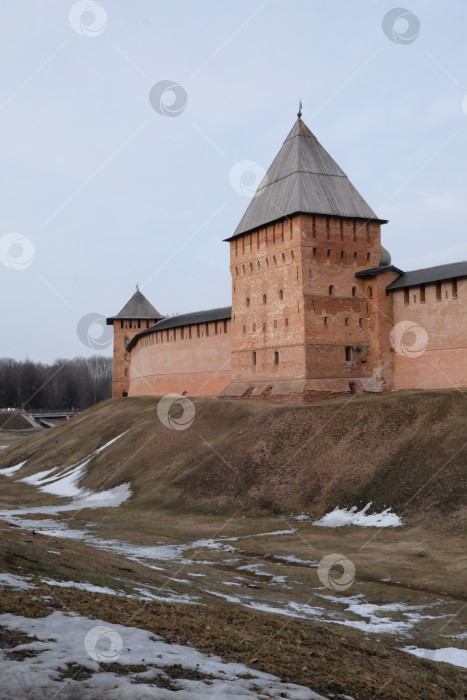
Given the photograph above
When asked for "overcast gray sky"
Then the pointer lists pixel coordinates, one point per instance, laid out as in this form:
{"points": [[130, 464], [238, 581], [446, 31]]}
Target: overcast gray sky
{"points": [[103, 191]]}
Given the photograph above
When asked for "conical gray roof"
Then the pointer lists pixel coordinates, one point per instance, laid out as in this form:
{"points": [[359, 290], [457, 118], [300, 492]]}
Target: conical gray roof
{"points": [[303, 178], [137, 307]]}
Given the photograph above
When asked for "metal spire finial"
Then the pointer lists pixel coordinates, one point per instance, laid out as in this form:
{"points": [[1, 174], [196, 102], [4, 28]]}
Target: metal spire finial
{"points": [[299, 113], [137, 287]]}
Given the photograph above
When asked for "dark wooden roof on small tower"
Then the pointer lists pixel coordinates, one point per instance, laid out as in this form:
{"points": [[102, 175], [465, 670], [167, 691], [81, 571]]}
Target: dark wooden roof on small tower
{"points": [[138, 307], [303, 178]]}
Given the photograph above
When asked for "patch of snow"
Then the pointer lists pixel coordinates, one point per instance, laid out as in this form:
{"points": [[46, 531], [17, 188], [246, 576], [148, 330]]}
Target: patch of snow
{"points": [[19, 582], [62, 640], [38, 477], [213, 544], [264, 607], [295, 560], [104, 447], [254, 568], [3, 447], [64, 482], [80, 586], [343, 516], [448, 655], [171, 597], [307, 610], [277, 532], [11, 470], [463, 635], [302, 516], [229, 598], [111, 498]]}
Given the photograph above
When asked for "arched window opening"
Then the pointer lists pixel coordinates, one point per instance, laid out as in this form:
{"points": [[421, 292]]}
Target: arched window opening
{"points": [[281, 294], [370, 291], [331, 289], [276, 358], [264, 298], [248, 301], [283, 257], [125, 342], [253, 358], [354, 291]]}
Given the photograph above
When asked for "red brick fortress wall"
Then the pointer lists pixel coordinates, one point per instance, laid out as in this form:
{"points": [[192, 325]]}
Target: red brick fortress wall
{"points": [[430, 336], [193, 359]]}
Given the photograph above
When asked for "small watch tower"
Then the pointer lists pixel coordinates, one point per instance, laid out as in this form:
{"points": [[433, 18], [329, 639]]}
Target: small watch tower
{"points": [[137, 314]]}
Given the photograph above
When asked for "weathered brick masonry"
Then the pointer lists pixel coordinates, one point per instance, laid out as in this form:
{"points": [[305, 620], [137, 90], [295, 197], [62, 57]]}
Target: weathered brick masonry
{"points": [[317, 307]]}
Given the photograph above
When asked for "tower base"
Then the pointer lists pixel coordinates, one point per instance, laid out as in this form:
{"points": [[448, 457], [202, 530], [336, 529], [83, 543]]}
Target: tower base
{"points": [[301, 390]]}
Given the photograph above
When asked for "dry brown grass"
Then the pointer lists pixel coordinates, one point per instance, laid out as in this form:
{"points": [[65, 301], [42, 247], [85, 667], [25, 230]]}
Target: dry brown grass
{"points": [[298, 652], [406, 451]]}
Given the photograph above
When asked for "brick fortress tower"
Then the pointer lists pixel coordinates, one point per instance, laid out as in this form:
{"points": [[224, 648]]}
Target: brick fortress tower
{"points": [[310, 312], [137, 314]]}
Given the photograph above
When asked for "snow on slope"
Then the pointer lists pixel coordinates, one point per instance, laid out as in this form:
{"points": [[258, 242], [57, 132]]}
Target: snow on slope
{"points": [[72, 639], [343, 516], [448, 655], [64, 482]]}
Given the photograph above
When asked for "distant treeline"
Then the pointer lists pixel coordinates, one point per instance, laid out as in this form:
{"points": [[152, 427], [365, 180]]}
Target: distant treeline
{"points": [[77, 383]]}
